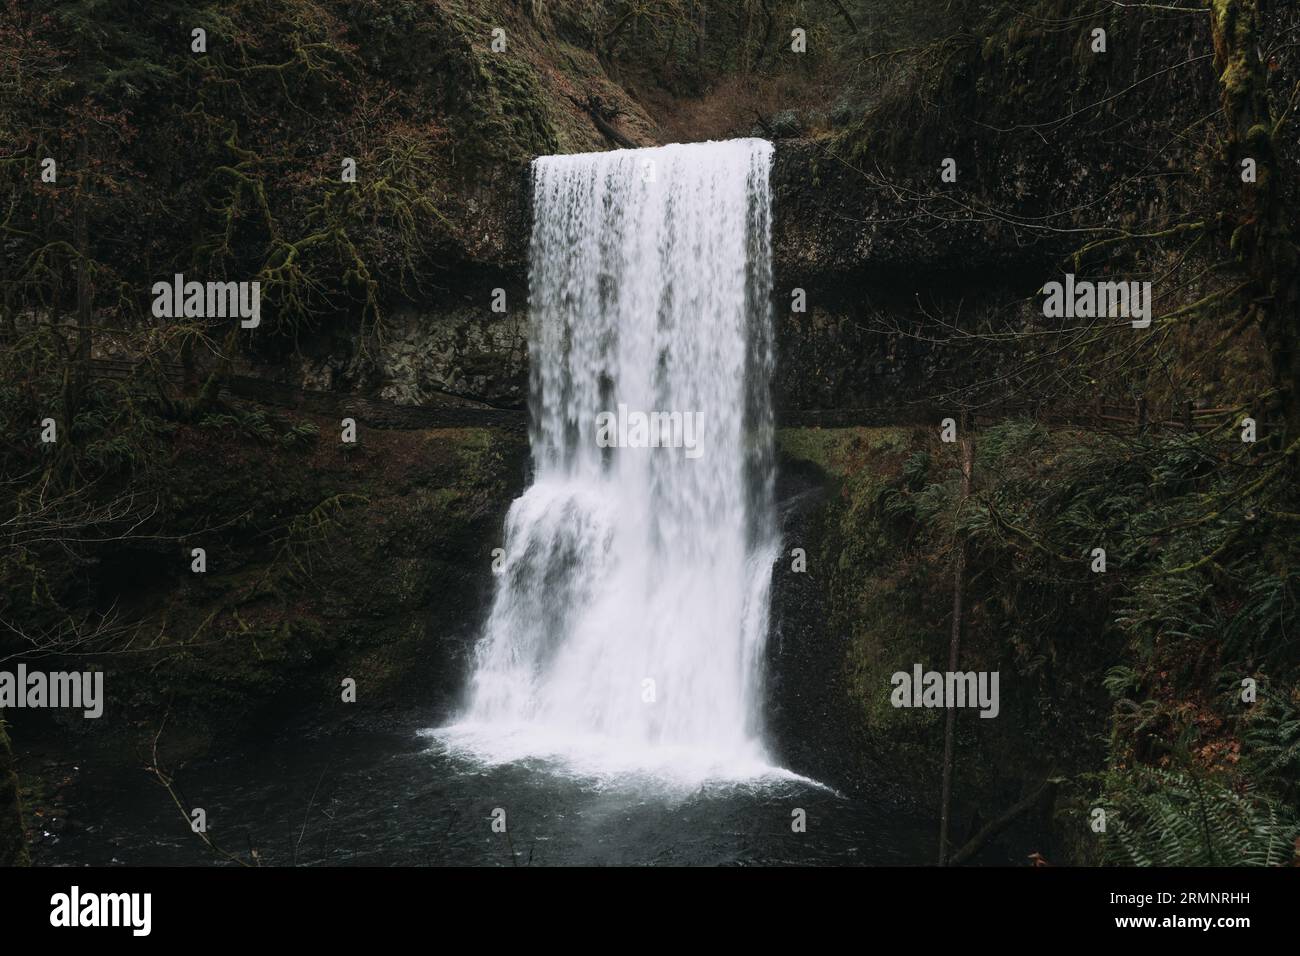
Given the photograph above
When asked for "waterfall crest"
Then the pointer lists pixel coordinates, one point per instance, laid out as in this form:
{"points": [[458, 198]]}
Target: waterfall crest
{"points": [[630, 615]]}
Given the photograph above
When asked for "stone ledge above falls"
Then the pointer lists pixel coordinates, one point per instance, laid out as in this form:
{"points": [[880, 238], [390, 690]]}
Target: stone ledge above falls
{"points": [[836, 224], [845, 240], [831, 222]]}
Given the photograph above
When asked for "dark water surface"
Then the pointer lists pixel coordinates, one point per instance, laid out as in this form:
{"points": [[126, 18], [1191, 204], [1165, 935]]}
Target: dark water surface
{"points": [[397, 798]]}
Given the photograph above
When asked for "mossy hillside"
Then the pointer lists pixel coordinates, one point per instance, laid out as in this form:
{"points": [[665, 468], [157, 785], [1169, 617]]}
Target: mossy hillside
{"points": [[325, 561], [1016, 94], [1122, 162], [495, 107], [226, 162], [1125, 684], [531, 99], [887, 542]]}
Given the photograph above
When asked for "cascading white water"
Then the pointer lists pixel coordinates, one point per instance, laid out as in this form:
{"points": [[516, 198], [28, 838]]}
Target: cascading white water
{"points": [[628, 625]]}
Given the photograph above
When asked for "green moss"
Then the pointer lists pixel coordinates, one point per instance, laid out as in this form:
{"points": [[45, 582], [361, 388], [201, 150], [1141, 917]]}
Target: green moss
{"points": [[883, 640], [498, 108], [1258, 136], [877, 601], [840, 451]]}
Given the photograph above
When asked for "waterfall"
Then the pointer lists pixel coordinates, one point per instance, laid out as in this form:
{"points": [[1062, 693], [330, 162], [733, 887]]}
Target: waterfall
{"points": [[631, 610]]}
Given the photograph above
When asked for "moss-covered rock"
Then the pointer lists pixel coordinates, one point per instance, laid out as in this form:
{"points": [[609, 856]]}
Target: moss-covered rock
{"points": [[873, 509]]}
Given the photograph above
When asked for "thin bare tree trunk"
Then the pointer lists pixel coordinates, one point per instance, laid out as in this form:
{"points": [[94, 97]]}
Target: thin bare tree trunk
{"points": [[954, 645], [848, 17], [84, 293]]}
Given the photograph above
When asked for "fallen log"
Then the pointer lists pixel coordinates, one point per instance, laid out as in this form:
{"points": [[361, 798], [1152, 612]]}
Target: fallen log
{"points": [[1045, 790], [596, 112]]}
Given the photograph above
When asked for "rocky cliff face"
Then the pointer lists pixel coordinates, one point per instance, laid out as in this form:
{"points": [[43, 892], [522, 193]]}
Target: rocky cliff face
{"points": [[887, 254], [850, 253]]}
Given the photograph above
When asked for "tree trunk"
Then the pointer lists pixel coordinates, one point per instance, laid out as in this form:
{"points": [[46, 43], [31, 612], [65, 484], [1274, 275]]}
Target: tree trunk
{"points": [[84, 292], [954, 645], [1262, 236]]}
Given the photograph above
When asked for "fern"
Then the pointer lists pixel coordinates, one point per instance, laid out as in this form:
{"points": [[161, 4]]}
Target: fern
{"points": [[1120, 681], [1159, 817], [1272, 741]]}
